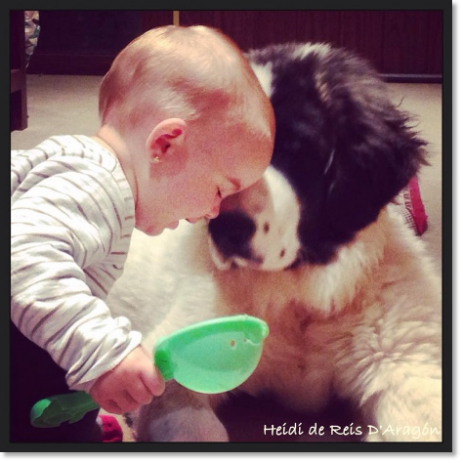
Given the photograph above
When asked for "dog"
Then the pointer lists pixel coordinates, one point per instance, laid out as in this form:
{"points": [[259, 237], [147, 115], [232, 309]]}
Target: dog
{"points": [[318, 250]]}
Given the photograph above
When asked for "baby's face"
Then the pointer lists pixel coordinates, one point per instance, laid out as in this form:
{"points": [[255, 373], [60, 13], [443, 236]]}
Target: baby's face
{"points": [[221, 167]]}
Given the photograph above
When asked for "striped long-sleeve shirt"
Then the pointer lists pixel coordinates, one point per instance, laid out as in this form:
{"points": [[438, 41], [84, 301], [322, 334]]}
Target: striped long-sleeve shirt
{"points": [[72, 216]]}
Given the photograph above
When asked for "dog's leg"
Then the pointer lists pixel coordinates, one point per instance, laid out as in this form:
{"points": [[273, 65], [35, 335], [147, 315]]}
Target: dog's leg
{"points": [[179, 415], [409, 411], [395, 377], [389, 364]]}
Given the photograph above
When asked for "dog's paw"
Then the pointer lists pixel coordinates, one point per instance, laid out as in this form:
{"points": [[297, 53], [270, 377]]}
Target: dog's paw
{"points": [[189, 424], [179, 415]]}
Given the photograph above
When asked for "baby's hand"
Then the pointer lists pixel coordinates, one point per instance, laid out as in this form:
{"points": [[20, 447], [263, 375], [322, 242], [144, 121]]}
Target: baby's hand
{"points": [[130, 384]]}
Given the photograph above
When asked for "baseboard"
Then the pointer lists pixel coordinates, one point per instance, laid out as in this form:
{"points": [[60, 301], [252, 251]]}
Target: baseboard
{"points": [[413, 78]]}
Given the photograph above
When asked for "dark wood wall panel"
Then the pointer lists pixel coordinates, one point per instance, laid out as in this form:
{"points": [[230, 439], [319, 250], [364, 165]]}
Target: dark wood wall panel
{"points": [[252, 29], [156, 18], [396, 42], [362, 31], [405, 42], [435, 42], [87, 41], [240, 25]]}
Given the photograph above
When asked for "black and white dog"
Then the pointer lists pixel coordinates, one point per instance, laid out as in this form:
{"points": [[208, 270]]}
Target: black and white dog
{"points": [[316, 250]]}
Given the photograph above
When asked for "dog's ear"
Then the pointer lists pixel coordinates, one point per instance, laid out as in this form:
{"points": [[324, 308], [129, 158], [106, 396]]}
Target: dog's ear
{"points": [[375, 151]]}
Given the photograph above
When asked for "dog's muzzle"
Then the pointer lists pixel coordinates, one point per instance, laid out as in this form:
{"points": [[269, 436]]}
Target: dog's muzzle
{"points": [[231, 233]]}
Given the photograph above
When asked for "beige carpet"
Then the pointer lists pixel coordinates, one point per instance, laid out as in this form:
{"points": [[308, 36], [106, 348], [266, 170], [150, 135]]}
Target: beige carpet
{"points": [[68, 105]]}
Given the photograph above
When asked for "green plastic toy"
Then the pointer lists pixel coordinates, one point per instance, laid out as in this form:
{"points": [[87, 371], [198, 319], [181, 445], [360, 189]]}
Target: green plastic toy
{"points": [[208, 357]]}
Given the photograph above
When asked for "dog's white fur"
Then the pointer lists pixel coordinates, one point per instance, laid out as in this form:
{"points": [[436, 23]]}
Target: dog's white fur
{"points": [[366, 326]]}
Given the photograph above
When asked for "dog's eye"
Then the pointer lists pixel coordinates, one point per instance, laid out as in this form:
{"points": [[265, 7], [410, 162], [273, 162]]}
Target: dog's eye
{"points": [[266, 227]]}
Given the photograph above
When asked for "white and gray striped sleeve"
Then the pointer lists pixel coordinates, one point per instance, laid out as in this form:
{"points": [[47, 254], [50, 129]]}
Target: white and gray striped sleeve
{"points": [[64, 224]]}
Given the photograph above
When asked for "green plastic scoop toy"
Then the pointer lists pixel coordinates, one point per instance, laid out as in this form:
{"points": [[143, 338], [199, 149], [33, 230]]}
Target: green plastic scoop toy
{"points": [[209, 357]]}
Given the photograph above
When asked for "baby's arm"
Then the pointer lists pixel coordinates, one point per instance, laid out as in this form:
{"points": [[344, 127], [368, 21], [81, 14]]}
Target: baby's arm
{"points": [[53, 239]]}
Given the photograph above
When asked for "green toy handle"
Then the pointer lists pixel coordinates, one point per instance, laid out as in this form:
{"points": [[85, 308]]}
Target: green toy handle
{"points": [[53, 411]]}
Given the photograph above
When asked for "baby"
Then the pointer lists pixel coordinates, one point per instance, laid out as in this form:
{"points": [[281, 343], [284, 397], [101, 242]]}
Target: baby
{"points": [[184, 124]]}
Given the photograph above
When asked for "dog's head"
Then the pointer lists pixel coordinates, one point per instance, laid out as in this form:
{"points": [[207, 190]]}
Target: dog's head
{"points": [[342, 152], [258, 227]]}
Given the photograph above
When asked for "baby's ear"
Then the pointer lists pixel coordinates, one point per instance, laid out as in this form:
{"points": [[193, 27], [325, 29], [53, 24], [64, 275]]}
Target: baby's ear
{"points": [[165, 137]]}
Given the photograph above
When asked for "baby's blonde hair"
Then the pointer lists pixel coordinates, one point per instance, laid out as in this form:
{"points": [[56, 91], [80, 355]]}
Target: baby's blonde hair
{"points": [[192, 73]]}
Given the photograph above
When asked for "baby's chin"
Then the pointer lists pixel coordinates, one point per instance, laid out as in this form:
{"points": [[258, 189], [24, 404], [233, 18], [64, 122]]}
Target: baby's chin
{"points": [[173, 225], [150, 230]]}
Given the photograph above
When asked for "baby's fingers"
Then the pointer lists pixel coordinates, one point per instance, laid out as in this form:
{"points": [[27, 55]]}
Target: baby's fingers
{"points": [[111, 407], [140, 393], [126, 402], [153, 381]]}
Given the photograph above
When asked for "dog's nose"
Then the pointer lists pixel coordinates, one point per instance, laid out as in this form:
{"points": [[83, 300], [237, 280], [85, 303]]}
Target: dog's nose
{"points": [[232, 233]]}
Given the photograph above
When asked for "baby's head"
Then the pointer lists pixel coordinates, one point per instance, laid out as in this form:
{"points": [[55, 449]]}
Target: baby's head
{"points": [[183, 72], [188, 89]]}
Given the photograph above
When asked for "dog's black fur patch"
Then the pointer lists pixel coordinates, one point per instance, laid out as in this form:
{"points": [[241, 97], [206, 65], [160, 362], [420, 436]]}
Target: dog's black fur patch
{"points": [[343, 146]]}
